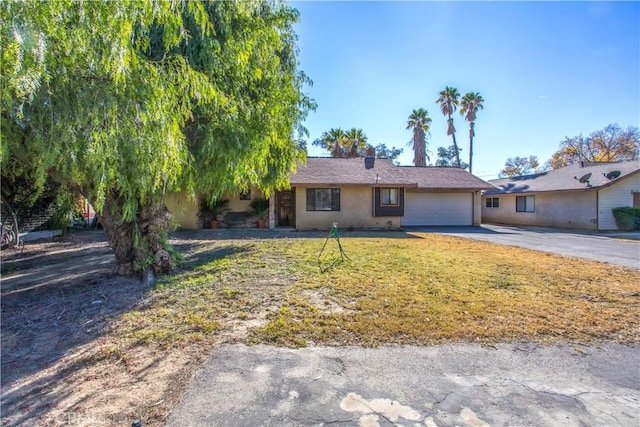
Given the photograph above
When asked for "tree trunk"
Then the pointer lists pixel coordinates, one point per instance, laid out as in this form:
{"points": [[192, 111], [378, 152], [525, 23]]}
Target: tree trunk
{"points": [[471, 134], [452, 131], [455, 147], [140, 245]]}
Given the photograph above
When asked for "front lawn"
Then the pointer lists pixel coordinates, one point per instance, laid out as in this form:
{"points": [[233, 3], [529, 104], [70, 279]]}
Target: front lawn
{"points": [[407, 288]]}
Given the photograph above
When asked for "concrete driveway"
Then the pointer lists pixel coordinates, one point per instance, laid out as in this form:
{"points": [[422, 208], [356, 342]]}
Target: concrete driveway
{"points": [[614, 248], [447, 385]]}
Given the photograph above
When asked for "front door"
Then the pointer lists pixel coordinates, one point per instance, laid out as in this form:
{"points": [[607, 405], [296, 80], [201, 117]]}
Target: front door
{"points": [[285, 209]]}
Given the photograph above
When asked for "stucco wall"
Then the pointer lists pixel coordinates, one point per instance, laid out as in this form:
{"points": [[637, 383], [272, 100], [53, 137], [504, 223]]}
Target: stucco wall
{"points": [[183, 211], [356, 210], [620, 193], [237, 205], [552, 209], [477, 208]]}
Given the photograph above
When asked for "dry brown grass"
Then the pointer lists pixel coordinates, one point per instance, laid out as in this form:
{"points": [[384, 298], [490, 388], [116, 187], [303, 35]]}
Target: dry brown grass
{"points": [[107, 351], [396, 288]]}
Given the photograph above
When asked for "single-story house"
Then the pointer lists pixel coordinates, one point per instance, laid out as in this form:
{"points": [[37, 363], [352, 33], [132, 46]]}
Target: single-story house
{"points": [[365, 193], [577, 196]]}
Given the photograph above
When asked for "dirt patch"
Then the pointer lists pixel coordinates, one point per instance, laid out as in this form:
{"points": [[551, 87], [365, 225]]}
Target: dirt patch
{"points": [[62, 360], [324, 304]]}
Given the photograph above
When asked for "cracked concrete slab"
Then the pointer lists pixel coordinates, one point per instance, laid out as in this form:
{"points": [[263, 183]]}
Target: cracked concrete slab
{"points": [[445, 385]]}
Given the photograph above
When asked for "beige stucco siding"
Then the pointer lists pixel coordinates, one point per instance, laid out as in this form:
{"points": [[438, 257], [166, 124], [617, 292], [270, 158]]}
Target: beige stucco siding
{"points": [[183, 210], [237, 205], [552, 209], [356, 210], [620, 193], [477, 208]]}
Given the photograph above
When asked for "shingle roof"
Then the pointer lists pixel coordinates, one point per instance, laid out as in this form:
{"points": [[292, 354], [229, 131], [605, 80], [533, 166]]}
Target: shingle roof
{"points": [[331, 171], [566, 178], [444, 178]]}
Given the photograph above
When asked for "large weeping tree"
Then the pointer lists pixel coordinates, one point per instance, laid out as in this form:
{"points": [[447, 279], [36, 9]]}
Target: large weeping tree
{"points": [[125, 101]]}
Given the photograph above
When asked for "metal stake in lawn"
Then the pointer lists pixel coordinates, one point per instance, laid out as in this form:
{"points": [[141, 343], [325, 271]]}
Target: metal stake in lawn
{"points": [[333, 233]]}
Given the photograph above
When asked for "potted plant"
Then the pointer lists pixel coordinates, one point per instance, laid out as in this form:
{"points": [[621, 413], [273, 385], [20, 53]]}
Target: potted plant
{"points": [[260, 208], [210, 211]]}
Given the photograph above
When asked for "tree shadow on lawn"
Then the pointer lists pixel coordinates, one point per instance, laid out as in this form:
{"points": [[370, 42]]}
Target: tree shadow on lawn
{"points": [[198, 252], [55, 309]]}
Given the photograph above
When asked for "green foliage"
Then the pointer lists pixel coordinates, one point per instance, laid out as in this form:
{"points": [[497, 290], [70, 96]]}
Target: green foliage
{"points": [[382, 152], [519, 166], [127, 101], [627, 218], [66, 211], [141, 98], [260, 207], [448, 101], [211, 210], [611, 144], [447, 157], [419, 122]]}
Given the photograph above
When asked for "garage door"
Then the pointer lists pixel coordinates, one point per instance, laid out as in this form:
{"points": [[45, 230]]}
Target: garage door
{"points": [[438, 209]]}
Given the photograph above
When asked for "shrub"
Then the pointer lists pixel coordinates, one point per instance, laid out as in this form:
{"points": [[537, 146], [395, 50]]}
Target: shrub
{"points": [[627, 218]]}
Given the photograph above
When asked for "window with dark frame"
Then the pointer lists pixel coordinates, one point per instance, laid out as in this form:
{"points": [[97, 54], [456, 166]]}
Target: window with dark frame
{"points": [[389, 197], [492, 202], [525, 204], [323, 199], [245, 195]]}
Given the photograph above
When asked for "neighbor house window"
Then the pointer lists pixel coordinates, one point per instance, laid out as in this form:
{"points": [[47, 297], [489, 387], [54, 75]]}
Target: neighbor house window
{"points": [[525, 204], [245, 195], [389, 197], [323, 199], [492, 202]]}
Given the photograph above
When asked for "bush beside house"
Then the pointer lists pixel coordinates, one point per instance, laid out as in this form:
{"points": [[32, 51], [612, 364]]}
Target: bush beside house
{"points": [[627, 218]]}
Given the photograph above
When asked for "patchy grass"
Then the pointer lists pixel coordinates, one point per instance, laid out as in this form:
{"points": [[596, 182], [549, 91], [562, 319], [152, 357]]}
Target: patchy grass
{"points": [[396, 288]]}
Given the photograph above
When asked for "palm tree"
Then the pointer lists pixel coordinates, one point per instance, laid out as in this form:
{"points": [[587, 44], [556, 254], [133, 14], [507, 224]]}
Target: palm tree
{"points": [[470, 104], [357, 142], [419, 121], [448, 101], [333, 140]]}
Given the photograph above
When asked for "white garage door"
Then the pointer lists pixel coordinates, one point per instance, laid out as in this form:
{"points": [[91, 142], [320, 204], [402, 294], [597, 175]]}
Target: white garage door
{"points": [[438, 209]]}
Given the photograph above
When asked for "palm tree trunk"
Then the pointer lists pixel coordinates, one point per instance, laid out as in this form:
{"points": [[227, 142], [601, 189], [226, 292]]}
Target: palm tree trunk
{"points": [[455, 144], [471, 134]]}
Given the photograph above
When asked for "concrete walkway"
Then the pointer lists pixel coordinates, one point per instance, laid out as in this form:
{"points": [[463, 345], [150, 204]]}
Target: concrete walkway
{"points": [[447, 385], [615, 248]]}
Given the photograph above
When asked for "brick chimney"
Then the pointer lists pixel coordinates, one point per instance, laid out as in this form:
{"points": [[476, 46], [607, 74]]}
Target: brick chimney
{"points": [[369, 157]]}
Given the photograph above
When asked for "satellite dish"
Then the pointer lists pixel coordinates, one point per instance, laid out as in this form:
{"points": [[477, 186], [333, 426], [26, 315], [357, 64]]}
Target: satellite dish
{"points": [[613, 175], [584, 178]]}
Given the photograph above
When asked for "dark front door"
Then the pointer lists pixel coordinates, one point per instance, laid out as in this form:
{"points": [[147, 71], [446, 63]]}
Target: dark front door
{"points": [[285, 209]]}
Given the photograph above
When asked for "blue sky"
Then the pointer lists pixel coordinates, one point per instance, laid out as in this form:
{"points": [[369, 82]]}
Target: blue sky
{"points": [[545, 69]]}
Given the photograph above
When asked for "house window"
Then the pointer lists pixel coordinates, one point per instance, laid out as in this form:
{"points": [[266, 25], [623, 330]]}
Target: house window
{"points": [[389, 197], [492, 202], [323, 199], [525, 204], [246, 195]]}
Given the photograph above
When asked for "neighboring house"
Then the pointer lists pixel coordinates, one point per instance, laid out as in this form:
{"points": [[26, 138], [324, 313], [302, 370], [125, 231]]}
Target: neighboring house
{"points": [[577, 196], [364, 193]]}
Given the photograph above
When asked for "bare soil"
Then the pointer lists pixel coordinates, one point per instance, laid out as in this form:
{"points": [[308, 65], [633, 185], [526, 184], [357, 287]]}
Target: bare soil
{"points": [[62, 363]]}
